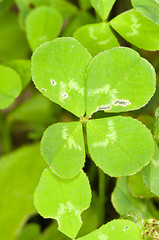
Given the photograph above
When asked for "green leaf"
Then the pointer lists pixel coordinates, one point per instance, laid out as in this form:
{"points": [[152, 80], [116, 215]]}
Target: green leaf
{"points": [[30, 232], [10, 86], [137, 30], [19, 174], [137, 187], [103, 7], [63, 148], [82, 18], [63, 200], [58, 71], [5, 5], [22, 67], [85, 4], [117, 86], [13, 43], [150, 173], [127, 205], [116, 229], [36, 110], [96, 37], [120, 146], [42, 24], [51, 232], [148, 8]]}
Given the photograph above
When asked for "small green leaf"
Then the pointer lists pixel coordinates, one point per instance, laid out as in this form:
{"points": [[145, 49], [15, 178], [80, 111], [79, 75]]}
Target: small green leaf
{"points": [[103, 7], [19, 175], [82, 18], [137, 30], [13, 43], [137, 187], [22, 67], [120, 146], [10, 86], [116, 229], [148, 8], [85, 4], [63, 200], [150, 173], [58, 71], [127, 205], [42, 24], [63, 148], [96, 37], [116, 86]]}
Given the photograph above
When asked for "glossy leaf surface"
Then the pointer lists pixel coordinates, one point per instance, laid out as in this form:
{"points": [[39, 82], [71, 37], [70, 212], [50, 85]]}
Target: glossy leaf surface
{"points": [[117, 80], [20, 171], [137, 30], [127, 205], [148, 8], [63, 148], [120, 146], [43, 24], [103, 7], [116, 229], [58, 70], [10, 86], [96, 37], [150, 173], [22, 67], [63, 200]]}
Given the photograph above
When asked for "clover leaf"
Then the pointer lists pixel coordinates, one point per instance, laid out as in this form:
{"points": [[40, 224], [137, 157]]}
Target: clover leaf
{"points": [[116, 229], [148, 8], [136, 29], [60, 71], [68, 199]]}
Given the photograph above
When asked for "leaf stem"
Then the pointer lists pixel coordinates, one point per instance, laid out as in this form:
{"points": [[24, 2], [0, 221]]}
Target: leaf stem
{"points": [[6, 142]]}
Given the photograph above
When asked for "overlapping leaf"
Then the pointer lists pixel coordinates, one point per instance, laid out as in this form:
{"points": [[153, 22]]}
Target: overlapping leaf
{"points": [[120, 146], [42, 24], [138, 30], [63, 148], [96, 37], [63, 200], [148, 8], [103, 7], [10, 86], [116, 229], [150, 173], [58, 70]]}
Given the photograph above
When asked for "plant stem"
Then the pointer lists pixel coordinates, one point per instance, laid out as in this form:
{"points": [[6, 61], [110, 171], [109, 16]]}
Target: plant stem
{"points": [[5, 135], [102, 197]]}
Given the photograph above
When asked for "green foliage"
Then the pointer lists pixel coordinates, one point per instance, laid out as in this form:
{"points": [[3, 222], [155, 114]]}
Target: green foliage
{"points": [[20, 171], [96, 37], [42, 24], [68, 200], [103, 7], [148, 8], [10, 86], [98, 93], [137, 30], [116, 229]]}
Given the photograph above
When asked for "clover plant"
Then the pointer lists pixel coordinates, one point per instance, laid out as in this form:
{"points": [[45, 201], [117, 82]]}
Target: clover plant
{"points": [[91, 112]]}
